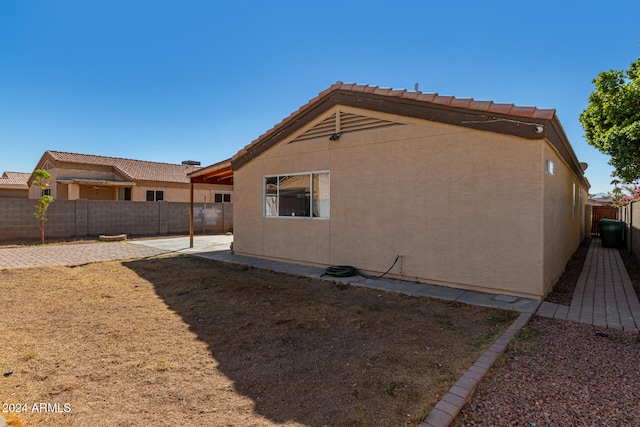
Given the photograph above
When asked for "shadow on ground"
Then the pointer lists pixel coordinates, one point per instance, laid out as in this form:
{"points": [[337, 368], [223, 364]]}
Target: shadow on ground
{"points": [[315, 353]]}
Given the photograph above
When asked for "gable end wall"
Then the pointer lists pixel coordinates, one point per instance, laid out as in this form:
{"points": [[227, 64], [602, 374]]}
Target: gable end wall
{"points": [[463, 207]]}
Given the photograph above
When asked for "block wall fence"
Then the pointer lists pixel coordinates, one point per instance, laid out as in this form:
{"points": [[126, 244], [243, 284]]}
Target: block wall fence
{"points": [[68, 219], [631, 215]]}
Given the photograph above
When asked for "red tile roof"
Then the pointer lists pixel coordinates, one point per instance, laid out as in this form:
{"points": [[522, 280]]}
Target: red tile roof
{"points": [[427, 98], [470, 103], [15, 179], [135, 170]]}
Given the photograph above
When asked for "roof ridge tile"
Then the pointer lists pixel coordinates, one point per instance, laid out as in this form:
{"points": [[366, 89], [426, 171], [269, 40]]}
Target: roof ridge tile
{"points": [[501, 108], [461, 102], [544, 113], [480, 105], [443, 99], [411, 94], [427, 97]]}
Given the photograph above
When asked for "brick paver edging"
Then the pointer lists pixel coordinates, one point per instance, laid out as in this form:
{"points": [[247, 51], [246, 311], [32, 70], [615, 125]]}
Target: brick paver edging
{"points": [[448, 408]]}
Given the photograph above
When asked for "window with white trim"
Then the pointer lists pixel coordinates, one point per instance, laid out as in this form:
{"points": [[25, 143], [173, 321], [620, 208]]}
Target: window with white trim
{"points": [[302, 195]]}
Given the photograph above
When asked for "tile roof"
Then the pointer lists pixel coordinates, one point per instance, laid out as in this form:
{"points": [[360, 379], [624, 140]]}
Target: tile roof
{"points": [[135, 170], [15, 179], [434, 98], [426, 98]]}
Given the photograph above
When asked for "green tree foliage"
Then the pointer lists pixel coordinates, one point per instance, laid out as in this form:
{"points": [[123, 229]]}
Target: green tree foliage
{"points": [[612, 120], [45, 200]]}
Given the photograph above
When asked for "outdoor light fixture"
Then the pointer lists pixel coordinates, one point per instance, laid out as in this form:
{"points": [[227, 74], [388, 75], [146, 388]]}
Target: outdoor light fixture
{"points": [[335, 136]]}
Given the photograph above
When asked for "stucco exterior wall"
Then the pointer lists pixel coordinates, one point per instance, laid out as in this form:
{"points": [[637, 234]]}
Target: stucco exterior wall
{"points": [[564, 215], [463, 207], [11, 193]]}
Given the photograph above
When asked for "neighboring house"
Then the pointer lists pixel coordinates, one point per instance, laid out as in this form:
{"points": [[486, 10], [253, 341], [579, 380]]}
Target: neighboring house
{"points": [[14, 185], [603, 200], [470, 194], [84, 176]]}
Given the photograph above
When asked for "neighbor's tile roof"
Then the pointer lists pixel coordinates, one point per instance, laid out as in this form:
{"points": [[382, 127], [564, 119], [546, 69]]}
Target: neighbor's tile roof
{"points": [[15, 178], [135, 170], [427, 98]]}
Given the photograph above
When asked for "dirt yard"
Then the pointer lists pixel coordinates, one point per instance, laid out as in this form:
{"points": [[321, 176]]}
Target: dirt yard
{"points": [[187, 341]]}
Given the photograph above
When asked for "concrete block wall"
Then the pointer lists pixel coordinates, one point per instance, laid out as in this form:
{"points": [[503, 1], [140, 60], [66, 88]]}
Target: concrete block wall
{"points": [[17, 219], [91, 218], [176, 212], [631, 215]]}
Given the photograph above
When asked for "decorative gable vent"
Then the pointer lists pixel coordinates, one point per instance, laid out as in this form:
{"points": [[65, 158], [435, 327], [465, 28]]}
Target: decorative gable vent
{"points": [[342, 123]]}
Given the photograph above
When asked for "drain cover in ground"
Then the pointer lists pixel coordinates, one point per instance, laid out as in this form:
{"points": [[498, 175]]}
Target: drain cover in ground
{"points": [[505, 298]]}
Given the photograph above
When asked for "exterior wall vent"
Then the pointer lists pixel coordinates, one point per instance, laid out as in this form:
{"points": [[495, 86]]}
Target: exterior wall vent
{"points": [[341, 123]]}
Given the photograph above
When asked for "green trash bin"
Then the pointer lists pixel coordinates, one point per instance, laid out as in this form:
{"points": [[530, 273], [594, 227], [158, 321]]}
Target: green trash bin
{"points": [[612, 233]]}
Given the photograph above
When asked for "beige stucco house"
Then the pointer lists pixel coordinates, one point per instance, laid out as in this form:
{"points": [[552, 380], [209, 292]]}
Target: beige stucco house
{"points": [[14, 185], [91, 177], [470, 194]]}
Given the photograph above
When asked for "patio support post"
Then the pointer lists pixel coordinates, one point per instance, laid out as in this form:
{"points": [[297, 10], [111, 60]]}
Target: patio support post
{"points": [[191, 217]]}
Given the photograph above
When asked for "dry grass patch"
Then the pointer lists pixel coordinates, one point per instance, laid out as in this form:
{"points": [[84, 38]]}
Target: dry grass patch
{"points": [[188, 341]]}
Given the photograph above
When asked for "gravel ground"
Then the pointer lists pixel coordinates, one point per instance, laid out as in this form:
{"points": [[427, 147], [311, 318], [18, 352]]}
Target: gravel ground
{"points": [[558, 373], [562, 292], [569, 374]]}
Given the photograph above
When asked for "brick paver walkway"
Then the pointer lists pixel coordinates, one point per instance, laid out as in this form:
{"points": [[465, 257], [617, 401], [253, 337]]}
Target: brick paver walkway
{"points": [[75, 254], [604, 295]]}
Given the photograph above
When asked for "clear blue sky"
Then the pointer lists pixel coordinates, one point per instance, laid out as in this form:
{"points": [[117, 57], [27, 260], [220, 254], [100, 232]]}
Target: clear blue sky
{"points": [[174, 80]]}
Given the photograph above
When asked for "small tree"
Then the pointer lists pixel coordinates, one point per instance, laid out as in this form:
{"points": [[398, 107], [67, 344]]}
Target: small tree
{"points": [[45, 200], [611, 121]]}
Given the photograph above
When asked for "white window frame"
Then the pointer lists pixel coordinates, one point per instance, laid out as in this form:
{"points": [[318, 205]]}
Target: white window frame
{"points": [[311, 207], [549, 167], [580, 207], [573, 201]]}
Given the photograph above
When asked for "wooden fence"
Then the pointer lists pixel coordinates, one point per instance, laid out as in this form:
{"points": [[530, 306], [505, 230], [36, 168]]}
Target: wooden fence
{"points": [[601, 212]]}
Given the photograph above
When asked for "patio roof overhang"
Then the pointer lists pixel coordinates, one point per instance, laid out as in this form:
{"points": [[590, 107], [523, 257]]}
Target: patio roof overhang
{"points": [[218, 173]]}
